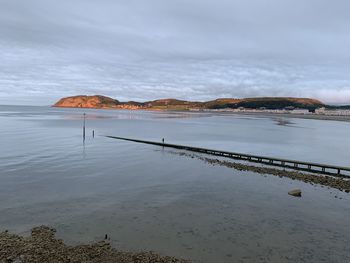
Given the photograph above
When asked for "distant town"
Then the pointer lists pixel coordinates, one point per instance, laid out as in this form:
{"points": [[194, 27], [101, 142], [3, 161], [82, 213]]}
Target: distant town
{"points": [[287, 110]]}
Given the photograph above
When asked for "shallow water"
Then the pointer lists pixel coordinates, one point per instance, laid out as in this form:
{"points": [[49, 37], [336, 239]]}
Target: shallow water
{"points": [[146, 198]]}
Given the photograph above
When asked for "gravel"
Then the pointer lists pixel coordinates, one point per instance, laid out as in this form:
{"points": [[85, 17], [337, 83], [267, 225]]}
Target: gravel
{"points": [[43, 246]]}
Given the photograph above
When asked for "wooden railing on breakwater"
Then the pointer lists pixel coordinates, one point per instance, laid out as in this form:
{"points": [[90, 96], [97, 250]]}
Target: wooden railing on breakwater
{"points": [[333, 170]]}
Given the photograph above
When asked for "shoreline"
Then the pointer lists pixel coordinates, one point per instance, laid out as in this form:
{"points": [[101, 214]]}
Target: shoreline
{"points": [[256, 114], [297, 116], [43, 246]]}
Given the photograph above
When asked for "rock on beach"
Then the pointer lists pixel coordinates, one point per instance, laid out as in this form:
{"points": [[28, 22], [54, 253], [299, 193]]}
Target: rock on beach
{"points": [[295, 192]]}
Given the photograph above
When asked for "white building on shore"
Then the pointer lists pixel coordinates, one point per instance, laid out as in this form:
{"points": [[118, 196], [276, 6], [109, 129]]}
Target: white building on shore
{"points": [[335, 112], [319, 111]]}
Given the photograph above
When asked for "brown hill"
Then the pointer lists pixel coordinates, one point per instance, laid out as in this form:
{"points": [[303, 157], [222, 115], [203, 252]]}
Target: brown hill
{"points": [[277, 103], [103, 102], [173, 104], [221, 102], [306, 101], [83, 101]]}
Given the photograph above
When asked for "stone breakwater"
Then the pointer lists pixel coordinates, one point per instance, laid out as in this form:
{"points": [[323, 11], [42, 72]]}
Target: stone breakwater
{"points": [[42, 246], [341, 184]]}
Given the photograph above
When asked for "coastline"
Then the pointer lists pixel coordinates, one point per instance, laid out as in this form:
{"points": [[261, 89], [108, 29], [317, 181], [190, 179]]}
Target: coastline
{"points": [[293, 115], [256, 114]]}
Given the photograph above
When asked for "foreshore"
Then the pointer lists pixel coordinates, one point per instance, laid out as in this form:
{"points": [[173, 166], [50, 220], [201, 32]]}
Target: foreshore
{"points": [[43, 246], [341, 184], [293, 115]]}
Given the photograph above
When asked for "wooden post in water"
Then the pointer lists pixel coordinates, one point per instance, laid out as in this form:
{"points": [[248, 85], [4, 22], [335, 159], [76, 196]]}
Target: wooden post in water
{"points": [[84, 127]]}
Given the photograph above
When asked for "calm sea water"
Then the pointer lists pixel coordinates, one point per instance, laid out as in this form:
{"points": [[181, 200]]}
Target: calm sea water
{"points": [[146, 198]]}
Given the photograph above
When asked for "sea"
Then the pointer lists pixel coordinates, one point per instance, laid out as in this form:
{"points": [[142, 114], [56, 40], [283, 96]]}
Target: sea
{"points": [[150, 198]]}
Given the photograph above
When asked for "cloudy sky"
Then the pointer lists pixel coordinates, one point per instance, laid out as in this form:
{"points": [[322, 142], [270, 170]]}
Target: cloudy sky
{"points": [[187, 49]]}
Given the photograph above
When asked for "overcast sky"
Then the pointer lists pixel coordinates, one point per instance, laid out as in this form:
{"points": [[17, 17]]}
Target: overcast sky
{"points": [[186, 49]]}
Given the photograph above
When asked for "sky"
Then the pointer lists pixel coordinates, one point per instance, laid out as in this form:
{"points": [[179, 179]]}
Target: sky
{"points": [[186, 49]]}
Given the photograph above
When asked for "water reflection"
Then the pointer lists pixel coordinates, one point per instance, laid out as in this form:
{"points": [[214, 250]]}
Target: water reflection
{"points": [[150, 200]]}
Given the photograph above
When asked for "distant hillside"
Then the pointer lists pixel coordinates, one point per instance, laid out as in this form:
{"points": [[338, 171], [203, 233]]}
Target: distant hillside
{"points": [[83, 101], [103, 102], [341, 107], [220, 103], [171, 104], [275, 103]]}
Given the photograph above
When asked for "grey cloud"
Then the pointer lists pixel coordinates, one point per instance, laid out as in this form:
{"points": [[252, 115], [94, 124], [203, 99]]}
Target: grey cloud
{"points": [[196, 49]]}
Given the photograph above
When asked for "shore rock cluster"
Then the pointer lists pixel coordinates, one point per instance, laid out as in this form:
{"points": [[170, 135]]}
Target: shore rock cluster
{"points": [[42, 246], [341, 184]]}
